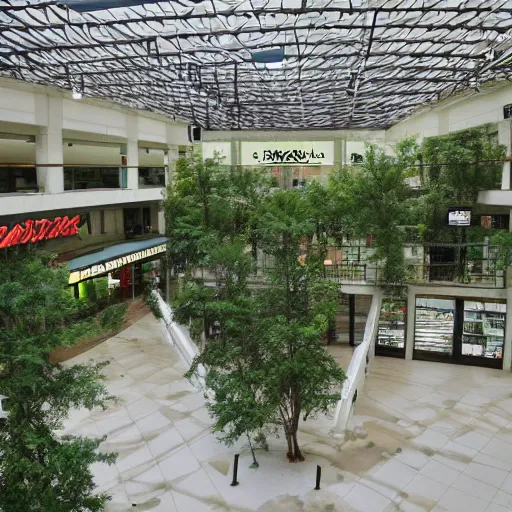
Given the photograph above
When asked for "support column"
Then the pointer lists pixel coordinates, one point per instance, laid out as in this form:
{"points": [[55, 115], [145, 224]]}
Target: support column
{"points": [[343, 152], [351, 319], [443, 122], [171, 157], [131, 151], [236, 154], [411, 313], [504, 137], [337, 153], [49, 145]]}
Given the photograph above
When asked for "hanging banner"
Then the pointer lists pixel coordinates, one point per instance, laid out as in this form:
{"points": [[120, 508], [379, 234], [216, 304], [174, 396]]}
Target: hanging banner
{"points": [[288, 153]]}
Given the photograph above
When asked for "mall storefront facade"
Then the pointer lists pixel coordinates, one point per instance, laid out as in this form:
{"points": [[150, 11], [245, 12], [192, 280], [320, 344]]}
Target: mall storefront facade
{"points": [[456, 325], [113, 252]]}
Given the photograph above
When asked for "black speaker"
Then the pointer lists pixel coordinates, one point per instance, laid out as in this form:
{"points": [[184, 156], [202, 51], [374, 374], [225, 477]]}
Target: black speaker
{"points": [[194, 134]]}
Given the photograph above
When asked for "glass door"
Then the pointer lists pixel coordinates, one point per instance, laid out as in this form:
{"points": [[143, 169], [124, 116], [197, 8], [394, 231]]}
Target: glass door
{"points": [[434, 329], [392, 326]]}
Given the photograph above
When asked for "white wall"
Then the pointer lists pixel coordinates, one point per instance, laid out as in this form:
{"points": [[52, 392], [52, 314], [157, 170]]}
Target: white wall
{"points": [[27, 104], [295, 135], [458, 113]]}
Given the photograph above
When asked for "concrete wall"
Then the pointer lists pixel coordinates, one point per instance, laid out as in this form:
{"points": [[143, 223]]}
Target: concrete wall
{"points": [[466, 111], [26, 104]]}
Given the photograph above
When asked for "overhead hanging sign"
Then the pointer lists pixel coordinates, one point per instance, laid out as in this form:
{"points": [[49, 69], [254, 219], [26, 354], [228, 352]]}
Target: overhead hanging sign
{"points": [[32, 231], [109, 266], [288, 153]]}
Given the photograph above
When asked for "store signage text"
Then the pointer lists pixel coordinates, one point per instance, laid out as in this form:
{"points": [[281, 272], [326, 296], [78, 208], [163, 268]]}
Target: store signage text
{"points": [[32, 231], [290, 156], [109, 266], [287, 153]]}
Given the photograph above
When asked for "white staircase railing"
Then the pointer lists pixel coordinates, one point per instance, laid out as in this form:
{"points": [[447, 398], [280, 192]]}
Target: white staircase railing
{"points": [[358, 367]]}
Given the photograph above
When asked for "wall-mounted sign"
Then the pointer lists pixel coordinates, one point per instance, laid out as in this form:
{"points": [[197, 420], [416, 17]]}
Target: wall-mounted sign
{"points": [[288, 153], [32, 231], [109, 266]]}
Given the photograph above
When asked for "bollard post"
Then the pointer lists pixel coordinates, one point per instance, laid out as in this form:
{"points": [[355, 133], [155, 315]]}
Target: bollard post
{"points": [[235, 471], [318, 477]]}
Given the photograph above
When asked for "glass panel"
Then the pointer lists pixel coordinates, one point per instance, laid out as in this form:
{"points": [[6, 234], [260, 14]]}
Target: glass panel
{"points": [[152, 177], [18, 180], [484, 328], [434, 325], [392, 324], [90, 178]]}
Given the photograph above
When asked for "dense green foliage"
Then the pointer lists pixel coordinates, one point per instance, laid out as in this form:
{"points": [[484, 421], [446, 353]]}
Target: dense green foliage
{"points": [[39, 469], [266, 366], [454, 168]]}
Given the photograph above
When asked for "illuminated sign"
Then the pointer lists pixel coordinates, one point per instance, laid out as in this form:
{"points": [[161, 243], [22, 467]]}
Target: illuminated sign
{"points": [[109, 266], [32, 231]]}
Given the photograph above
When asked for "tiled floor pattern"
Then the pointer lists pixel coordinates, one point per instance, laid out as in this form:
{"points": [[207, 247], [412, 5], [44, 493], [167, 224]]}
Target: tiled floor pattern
{"points": [[429, 437]]}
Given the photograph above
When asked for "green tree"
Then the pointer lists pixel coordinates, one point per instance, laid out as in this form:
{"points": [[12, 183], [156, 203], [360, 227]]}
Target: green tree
{"points": [[299, 377], [373, 199], [39, 469], [456, 167]]}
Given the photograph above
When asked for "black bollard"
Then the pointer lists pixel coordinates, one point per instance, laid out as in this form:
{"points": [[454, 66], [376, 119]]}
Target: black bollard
{"points": [[235, 471], [318, 476]]}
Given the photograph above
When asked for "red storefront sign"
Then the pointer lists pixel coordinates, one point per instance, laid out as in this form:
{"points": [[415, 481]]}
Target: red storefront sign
{"points": [[32, 231]]}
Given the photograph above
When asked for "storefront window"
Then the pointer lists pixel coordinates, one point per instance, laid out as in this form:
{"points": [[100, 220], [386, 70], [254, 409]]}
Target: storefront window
{"points": [[152, 177], [392, 324], [18, 180], [484, 329], [87, 178], [434, 325]]}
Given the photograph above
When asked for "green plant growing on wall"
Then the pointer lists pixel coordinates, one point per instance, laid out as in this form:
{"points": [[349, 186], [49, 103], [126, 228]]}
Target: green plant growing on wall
{"points": [[40, 470]]}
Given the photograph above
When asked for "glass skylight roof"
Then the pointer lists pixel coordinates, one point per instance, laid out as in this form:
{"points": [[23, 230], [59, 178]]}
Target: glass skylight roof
{"points": [[348, 63]]}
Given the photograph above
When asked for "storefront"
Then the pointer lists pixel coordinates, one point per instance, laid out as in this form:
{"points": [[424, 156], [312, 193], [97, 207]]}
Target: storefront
{"points": [[468, 330], [464, 331], [122, 271]]}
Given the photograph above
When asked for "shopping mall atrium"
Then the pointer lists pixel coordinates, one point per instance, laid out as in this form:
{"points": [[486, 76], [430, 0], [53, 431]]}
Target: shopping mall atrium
{"points": [[117, 116]]}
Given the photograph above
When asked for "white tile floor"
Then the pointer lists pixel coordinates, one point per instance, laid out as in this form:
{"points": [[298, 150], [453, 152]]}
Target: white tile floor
{"points": [[439, 438]]}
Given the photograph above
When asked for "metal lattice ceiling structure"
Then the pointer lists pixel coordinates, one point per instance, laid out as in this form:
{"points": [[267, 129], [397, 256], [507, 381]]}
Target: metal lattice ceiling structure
{"points": [[348, 63]]}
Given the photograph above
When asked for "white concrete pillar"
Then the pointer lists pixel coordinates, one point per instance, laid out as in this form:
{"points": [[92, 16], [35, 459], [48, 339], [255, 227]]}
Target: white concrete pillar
{"points": [[411, 312], [49, 145], [443, 122], [338, 153], [171, 156], [504, 137], [236, 153], [131, 151], [344, 152]]}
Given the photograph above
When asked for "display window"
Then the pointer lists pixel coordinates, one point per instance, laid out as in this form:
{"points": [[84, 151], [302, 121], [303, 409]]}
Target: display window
{"points": [[392, 326], [462, 331], [434, 325]]}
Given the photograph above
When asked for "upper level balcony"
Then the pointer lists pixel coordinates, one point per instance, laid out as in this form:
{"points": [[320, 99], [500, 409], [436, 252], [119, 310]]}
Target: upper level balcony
{"points": [[22, 189], [467, 265]]}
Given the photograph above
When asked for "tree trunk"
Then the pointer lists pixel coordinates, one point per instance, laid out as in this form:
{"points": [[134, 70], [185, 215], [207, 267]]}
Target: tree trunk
{"points": [[296, 450], [290, 446]]}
